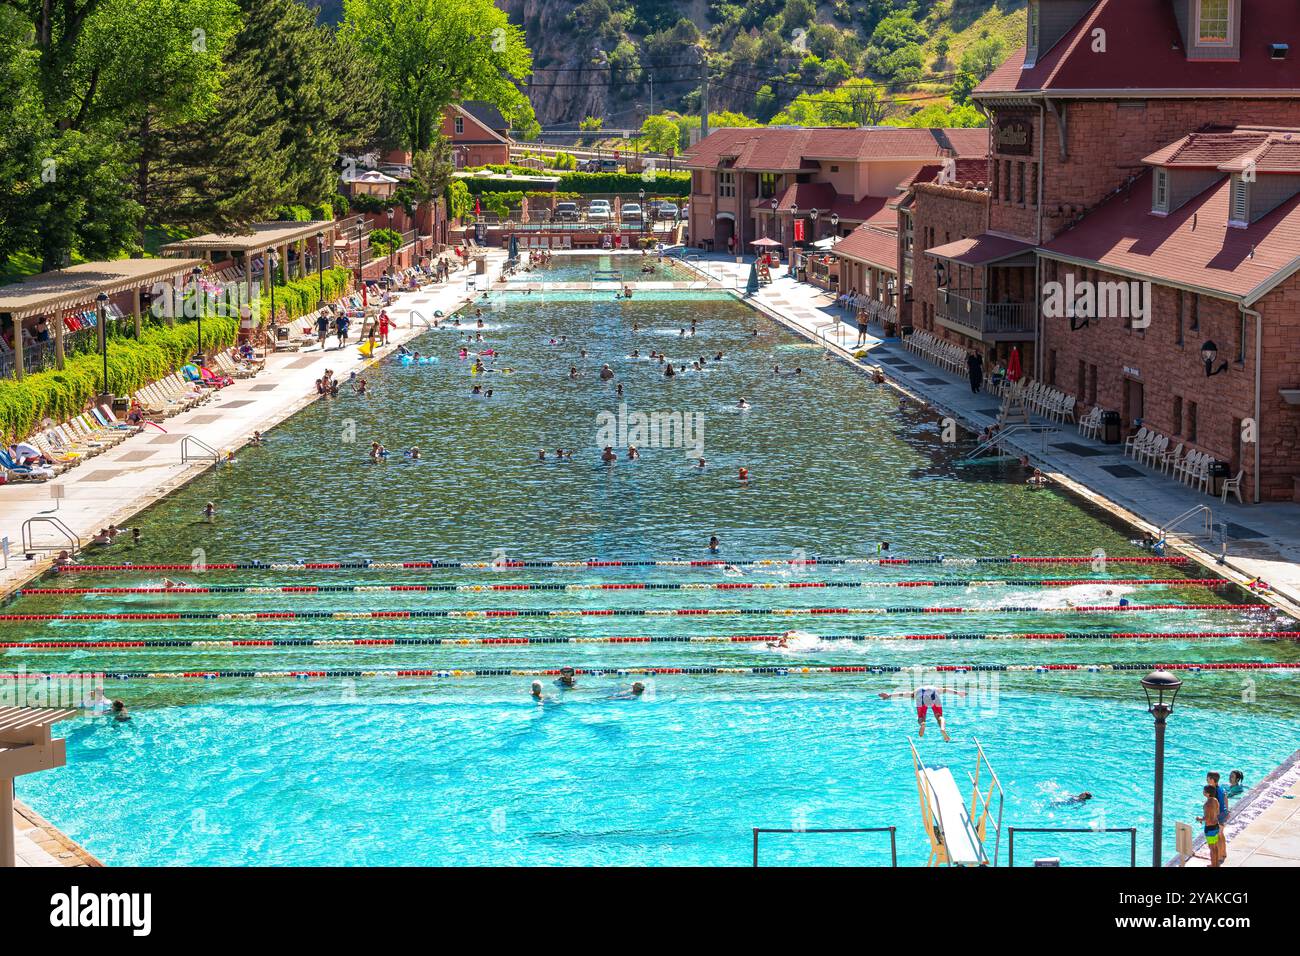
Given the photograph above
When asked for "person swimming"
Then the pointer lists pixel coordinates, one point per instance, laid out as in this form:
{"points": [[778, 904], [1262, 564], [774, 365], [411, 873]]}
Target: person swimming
{"points": [[607, 456], [742, 404], [632, 693], [568, 678], [1073, 800], [714, 544], [413, 453]]}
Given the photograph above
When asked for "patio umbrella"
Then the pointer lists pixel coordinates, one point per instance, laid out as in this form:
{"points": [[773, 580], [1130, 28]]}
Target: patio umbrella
{"points": [[1013, 365], [765, 242], [514, 247], [751, 287]]}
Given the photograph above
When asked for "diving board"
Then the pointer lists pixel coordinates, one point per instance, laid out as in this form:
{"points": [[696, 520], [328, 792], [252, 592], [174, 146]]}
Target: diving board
{"points": [[958, 830]]}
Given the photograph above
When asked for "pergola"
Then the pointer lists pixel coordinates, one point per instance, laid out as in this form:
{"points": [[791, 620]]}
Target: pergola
{"points": [[55, 293], [259, 239], [26, 746]]}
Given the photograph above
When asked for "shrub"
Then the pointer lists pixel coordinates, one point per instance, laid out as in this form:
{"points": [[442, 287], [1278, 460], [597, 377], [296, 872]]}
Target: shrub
{"points": [[60, 394]]}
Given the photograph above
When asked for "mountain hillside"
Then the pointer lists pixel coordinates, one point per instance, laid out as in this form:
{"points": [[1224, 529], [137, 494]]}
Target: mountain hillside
{"points": [[619, 60]]}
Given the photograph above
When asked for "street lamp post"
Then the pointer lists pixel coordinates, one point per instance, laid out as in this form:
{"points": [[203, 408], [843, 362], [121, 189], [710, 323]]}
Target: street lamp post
{"points": [[271, 260], [640, 193], [320, 269], [361, 225], [1161, 687], [102, 300], [392, 249], [835, 224], [198, 301], [813, 214]]}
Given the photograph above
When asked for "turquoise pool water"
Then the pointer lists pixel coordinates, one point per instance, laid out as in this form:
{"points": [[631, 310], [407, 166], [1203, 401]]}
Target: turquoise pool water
{"points": [[377, 769]]}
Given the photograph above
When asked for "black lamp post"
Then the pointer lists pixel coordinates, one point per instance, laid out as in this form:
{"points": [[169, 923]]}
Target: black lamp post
{"points": [[361, 225], [1209, 352], [640, 193], [775, 203], [1161, 687], [392, 249], [794, 219], [198, 301], [813, 214], [102, 300], [835, 224], [271, 260], [320, 270]]}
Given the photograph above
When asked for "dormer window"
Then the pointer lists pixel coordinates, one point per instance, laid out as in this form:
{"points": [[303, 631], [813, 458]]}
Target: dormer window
{"points": [[1160, 191], [460, 126], [1214, 22], [1239, 212], [1031, 44]]}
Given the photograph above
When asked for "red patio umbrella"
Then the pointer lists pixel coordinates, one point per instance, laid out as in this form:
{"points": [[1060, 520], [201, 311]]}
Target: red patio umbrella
{"points": [[1013, 365]]}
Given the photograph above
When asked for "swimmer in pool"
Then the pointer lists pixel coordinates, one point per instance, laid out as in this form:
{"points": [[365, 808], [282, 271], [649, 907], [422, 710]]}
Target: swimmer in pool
{"points": [[607, 456], [742, 404], [568, 679], [1076, 799], [119, 711], [170, 585], [414, 453], [714, 544], [632, 453], [926, 698], [701, 463]]}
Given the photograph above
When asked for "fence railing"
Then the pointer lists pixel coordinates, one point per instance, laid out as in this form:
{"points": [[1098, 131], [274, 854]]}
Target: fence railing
{"points": [[968, 309], [1012, 831]]}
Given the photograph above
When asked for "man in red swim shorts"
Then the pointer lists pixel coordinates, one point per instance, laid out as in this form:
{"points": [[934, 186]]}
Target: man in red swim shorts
{"points": [[926, 698]]}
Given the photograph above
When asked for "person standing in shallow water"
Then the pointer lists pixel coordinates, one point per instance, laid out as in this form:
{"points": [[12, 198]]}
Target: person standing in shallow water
{"points": [[975, 368]]}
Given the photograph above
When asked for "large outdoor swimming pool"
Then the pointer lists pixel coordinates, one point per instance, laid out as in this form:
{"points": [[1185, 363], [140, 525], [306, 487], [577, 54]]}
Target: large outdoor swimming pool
{"points": [[452, 766]]}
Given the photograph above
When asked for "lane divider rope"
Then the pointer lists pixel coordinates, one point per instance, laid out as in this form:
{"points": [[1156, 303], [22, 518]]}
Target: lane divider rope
{"points": [[505, 613], [367, 565], [759, 670], [351, 642], [631, 586]]}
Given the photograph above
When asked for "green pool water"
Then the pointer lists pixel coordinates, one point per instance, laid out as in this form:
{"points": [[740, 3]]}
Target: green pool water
{"points": [[375, 769]]}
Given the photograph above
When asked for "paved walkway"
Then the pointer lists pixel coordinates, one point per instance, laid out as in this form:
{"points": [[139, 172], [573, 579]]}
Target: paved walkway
{"points": [[39, 843], [113, 486]]}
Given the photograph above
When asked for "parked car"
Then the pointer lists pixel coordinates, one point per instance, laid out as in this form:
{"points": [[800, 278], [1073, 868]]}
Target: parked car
{"points": [[631, 212], [566, 212], [598, 211], [666, 210]]}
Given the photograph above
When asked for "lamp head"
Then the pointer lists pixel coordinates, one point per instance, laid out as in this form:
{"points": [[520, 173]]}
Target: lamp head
{"points": [[1161, 687]]}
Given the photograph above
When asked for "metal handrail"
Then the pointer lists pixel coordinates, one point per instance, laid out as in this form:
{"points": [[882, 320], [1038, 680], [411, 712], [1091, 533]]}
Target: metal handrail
{"points": [[29, 547], [893, 842], [1191, 513], [207, 453], [976, 794], [1012, 831]]}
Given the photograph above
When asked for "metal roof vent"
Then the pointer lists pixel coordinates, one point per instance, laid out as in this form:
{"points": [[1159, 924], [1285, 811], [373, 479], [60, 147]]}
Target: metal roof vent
{"points": [[1279, 51]]}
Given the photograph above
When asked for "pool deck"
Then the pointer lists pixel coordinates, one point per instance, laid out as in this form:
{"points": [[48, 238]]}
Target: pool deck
{"points": [[40, 843]]}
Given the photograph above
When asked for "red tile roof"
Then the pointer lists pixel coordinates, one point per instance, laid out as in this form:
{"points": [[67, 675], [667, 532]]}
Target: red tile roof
{"points": [[968, 170], [1267, 150], [875, 247], [1123, 235], [981, 250], [824, 198], [1144, 54], [789, 148]]}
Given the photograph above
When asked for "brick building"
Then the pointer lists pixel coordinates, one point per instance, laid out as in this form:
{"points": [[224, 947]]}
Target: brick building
{"points": [[479, 134], [1155, 141], [752, 183]]}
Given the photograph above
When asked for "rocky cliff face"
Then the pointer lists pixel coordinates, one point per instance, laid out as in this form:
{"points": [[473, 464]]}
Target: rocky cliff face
{"points": [[568, 84]]}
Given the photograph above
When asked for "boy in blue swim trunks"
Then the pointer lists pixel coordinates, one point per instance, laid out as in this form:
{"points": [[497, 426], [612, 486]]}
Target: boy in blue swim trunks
{"points": [[1210, 817]]}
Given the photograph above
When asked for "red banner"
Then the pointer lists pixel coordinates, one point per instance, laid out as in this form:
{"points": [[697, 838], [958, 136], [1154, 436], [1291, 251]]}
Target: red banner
{"points": [[798, 230]]}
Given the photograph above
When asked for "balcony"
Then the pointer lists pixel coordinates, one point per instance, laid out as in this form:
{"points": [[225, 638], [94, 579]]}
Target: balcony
{"points": [[966, 311]]}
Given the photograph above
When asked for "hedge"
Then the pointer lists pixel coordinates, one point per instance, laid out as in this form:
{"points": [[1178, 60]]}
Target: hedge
{"points": [[300, 296], [59, 395]]}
